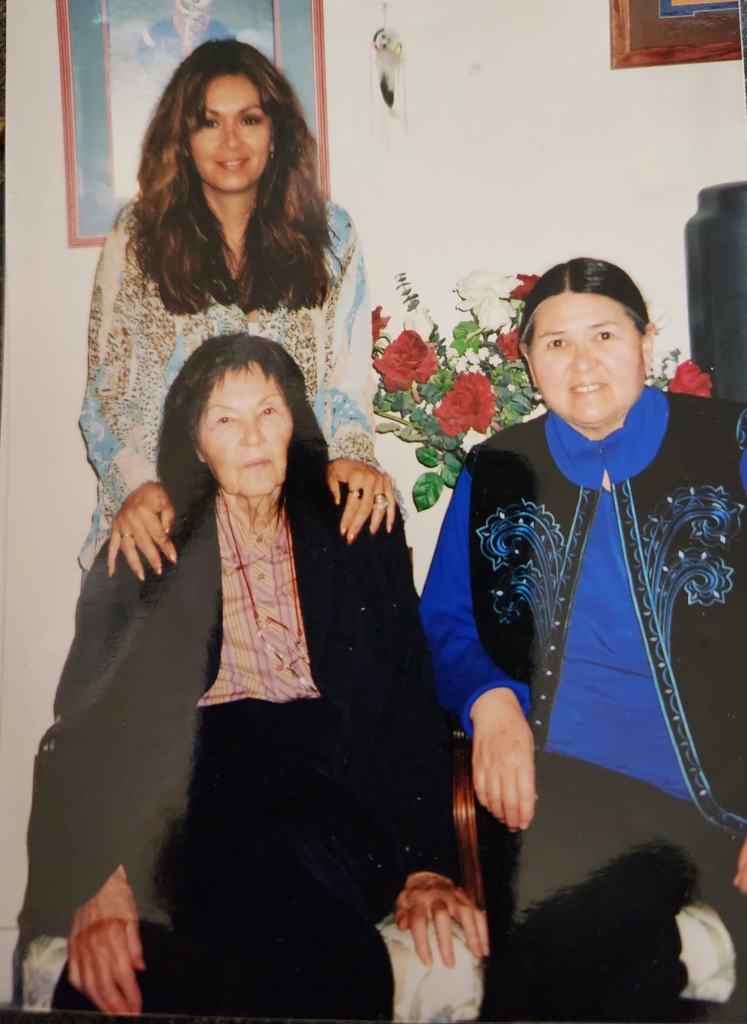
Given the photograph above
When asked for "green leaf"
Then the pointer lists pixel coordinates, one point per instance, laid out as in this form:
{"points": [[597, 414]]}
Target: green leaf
{"points": [[386, 428], [427, 490], [410, 434], [428, 457], [453, 462], [467, 334], [449, 475]]}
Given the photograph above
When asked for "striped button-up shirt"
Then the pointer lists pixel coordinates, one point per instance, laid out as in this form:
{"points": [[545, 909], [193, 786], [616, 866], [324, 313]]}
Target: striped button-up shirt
{"points": [[269, 659]]}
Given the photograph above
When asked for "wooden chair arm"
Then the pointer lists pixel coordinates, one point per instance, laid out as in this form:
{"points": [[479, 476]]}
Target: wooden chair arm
{"points": [[465, 818]]}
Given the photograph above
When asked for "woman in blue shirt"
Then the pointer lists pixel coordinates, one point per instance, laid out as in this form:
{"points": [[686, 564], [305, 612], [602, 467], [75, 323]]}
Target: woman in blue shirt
{"points": [[584, 612]]}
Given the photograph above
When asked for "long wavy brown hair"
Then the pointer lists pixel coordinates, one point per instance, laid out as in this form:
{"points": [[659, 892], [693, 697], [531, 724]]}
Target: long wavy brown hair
{"points": [[179, 240]]}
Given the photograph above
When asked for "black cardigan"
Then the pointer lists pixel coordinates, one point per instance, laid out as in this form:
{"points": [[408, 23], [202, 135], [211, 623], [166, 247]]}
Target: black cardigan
{"points": [[112, 773]]}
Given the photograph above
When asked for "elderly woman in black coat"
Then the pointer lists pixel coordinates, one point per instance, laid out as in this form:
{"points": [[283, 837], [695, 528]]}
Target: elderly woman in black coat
{"points": [[247, 767]]}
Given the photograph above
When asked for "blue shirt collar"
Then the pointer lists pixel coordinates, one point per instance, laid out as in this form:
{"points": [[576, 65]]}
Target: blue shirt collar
{"points": [[623, 453]]}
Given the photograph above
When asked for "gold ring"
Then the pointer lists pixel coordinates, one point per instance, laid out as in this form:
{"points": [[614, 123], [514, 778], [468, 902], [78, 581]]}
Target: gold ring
{"points": [[381, 501]]}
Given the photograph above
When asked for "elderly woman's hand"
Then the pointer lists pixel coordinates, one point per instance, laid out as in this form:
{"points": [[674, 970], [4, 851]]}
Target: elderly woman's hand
{"points": [[365, 485], [104, 948], [431, 897], [503, 758], [143, 522]]}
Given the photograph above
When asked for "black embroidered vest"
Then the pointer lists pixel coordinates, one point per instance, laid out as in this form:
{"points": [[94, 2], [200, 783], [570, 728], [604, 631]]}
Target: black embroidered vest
{"points": [[683, 529]]}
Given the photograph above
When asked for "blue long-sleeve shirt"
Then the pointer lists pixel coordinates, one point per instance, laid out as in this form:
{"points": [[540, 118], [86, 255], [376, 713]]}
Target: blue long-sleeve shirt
{"points": [[606, 710]]}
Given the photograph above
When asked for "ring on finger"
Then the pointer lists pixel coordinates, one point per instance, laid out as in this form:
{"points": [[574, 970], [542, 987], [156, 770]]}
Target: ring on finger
{"points": [[357, 493], [381, 501], [123, 535]]}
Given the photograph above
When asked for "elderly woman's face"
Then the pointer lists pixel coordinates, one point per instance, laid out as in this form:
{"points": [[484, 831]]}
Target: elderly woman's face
{"points": [[244, 434], [589, 361]]}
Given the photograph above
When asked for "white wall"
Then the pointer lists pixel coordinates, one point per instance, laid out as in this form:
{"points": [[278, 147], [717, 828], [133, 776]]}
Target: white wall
{"points": [[522, 148]]}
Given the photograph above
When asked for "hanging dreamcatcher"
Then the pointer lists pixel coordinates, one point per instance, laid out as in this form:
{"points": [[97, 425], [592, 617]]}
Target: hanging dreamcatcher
{"points": [[388, 60]]}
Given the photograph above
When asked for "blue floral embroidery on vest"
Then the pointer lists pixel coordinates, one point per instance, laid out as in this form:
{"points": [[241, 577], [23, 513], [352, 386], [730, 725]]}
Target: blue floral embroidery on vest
{"points": [[534, 582], [742, 429], [663, 570], [532, 560]]}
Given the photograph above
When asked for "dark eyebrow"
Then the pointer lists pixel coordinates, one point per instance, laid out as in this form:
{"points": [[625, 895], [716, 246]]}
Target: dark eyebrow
{"points": [[593, 327], [244, 110]]}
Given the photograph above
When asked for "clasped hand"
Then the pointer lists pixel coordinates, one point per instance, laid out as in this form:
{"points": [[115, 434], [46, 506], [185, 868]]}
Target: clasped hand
{"points": [[431, 897], [104, 949]]}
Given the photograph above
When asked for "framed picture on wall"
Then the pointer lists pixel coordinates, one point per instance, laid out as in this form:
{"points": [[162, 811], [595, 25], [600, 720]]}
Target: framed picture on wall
{"points": [[116, 57], [646, 32]]}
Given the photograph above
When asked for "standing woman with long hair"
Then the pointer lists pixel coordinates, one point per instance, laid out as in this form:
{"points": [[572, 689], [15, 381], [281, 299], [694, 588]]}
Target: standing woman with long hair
{"points": [[229, 233]]}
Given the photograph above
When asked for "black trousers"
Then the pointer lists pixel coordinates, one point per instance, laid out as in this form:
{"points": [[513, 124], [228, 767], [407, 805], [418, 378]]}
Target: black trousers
{"points": [[274, 880], [585, 902]]}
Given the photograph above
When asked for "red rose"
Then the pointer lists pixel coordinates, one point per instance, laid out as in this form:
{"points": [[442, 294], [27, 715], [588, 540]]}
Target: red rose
{"points": [[406, 359], [508, 345], [469, 405], [378, 323], [521, 291], [690, 380]]}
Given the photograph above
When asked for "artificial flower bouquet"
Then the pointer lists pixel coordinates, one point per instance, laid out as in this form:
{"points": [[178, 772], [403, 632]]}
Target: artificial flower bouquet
{"points": [[444, 395]]}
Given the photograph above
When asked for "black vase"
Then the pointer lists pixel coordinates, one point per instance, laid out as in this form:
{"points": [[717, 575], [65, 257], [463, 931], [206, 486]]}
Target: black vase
{"points": [[716, 250]]}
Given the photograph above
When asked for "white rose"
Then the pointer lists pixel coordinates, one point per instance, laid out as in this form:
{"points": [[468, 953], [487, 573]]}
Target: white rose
{"points": [[659, 316], [486, 296], [481, 284], [419, 320], [494, 314]]}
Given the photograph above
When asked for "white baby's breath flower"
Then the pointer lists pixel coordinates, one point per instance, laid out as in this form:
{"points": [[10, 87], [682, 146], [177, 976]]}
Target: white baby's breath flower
{"points": [[429, 408], [472, 357], [461, 364], [495, 359], [419, 320], [510, 387], [483, 352], [451, 354]]}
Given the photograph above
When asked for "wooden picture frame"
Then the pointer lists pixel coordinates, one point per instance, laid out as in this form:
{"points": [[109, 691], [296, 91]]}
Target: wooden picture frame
{"points": [[651, 32], [115, 58]]}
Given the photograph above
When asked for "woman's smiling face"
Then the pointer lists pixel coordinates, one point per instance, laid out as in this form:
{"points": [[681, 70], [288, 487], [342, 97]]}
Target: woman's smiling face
{"points": [[232, 147], [244, 434], [588, 360]]}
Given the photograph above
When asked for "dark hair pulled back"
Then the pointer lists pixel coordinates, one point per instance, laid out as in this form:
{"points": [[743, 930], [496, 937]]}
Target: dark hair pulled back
{"points": [[589, 276]]}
